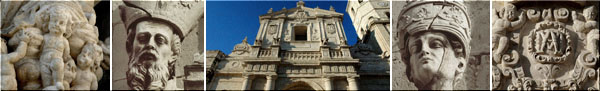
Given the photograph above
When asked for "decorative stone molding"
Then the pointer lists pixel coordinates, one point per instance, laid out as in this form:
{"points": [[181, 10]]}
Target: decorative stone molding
{"points": [[299, 70], [241, 49], [251, 67], [548, 47], [338, 69], [301, 55]]}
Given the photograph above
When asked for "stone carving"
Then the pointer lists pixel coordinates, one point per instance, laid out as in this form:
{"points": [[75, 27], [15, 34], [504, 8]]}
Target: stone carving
{"points": [[555, 50], [301, 55], [86, 76], [506, 22], [242, 48], [9, 81], [273, 29], [434, 41], [292, 64], [155, 32], [588, 25], [260, 67], [48, 38], [55, 47], [363, 50], [301, 16], [330, 28]]}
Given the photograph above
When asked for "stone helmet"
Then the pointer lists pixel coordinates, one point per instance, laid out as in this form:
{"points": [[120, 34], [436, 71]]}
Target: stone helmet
{"points": [[182, 16], [447, 17]]}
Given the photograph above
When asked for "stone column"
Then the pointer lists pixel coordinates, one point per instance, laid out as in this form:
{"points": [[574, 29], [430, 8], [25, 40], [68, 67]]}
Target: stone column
{"points": [[327, 83], [352, 83], [270, 80], [247, 83]]}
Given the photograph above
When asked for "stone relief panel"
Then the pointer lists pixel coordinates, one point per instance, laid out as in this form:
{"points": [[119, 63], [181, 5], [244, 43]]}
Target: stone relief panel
{"points": [[545, 46], [299, 70], [255, 67], [439, 45], [54, 45], [232, 66]]}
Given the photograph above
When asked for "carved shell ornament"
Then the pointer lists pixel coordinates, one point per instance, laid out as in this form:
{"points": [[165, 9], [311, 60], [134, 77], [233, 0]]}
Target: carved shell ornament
{"points": [[242, 48]]}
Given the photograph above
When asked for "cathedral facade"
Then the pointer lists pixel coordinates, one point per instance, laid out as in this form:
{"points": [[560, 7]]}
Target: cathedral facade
{"points": [[299, 48]]}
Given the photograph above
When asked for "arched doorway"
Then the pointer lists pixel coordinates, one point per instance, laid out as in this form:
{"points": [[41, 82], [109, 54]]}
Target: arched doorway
{"points": [[298, 86]]}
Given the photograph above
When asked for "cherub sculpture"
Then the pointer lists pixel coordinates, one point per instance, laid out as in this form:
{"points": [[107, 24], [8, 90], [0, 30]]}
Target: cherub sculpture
{"points": [[27, 68], [88, 58], [588, 26], [504, 24], [55, 48], [9, 81]]}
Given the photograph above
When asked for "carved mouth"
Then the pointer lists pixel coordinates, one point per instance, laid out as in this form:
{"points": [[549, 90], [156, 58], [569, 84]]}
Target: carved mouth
{"points": [[426, 60], [147, 57]]}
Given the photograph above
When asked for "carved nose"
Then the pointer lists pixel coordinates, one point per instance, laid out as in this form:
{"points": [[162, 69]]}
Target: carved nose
{"points": [[149, 47]]}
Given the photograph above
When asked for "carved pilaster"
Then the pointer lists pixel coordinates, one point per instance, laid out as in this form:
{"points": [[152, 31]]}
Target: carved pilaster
{"points": [[247, 82], [352, 85], [269, 85], [327, 83]]}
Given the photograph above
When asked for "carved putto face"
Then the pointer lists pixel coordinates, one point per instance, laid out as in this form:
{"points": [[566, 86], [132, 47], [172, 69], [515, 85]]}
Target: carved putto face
{"points": [[427, 52], [150, 61], [90, 54], [590, 13], [58, 20], [509, 12]]}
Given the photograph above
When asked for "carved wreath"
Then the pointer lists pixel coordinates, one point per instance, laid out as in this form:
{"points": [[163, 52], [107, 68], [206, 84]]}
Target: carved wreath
{"points": [[550, 42]]}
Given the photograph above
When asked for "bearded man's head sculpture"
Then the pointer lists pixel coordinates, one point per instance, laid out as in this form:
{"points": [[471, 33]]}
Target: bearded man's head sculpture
{"points": [[434, 41], [155, 31]]}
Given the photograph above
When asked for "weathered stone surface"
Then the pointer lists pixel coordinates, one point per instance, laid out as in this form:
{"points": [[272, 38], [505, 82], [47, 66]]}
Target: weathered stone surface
{"points": [[185, 19], [545, 45], [54, 46], [468, 36], [371, 19], [302, 48]]}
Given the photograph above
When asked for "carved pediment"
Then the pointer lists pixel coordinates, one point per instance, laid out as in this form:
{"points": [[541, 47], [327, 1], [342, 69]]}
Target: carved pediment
{"points": [[302, 12], [241, 49]]}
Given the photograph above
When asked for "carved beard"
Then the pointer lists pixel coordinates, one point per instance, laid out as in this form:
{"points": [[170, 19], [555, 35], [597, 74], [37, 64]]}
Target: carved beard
{"points": [[154, 76]]}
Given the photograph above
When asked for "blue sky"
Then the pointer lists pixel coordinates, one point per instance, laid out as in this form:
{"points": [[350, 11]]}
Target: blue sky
{"points": [[228, 22]]}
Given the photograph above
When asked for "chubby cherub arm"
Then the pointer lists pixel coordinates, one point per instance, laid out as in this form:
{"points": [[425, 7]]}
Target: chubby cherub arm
{"points": [[518, 23], [94, 85], [18, 54]]}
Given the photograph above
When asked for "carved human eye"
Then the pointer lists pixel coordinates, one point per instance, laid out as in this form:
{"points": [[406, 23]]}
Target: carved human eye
{"points": [[436, 44], [415, 48], [143, 38], [160, 40]]}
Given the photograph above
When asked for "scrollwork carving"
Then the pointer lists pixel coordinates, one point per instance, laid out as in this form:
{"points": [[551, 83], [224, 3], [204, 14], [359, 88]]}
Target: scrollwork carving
{"points": [[556, 49]]}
